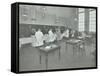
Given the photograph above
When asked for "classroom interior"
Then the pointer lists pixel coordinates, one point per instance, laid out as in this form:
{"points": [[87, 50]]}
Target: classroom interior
{"points": [[74, 37]]}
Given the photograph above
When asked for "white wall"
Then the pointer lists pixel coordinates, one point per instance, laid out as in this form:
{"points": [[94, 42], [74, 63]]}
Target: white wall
{"points": [[5, 39]]}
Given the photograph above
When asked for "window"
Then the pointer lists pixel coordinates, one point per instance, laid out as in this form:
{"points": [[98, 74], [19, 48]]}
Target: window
{"points": [[92, 20], [81, 19]]}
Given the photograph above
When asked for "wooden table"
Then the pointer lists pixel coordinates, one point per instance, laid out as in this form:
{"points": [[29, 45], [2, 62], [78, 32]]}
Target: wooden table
{"points": [[74, 43], [48, 50]]}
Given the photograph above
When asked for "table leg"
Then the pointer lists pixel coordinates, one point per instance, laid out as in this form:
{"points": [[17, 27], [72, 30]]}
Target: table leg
{"points": [[59, 54], [46, 61], [79, 49], [66, 47], [73, 49], [84, 49], [40, 57]]}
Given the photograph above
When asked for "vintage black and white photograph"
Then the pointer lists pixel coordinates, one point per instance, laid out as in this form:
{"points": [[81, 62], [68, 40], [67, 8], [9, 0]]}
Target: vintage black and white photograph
{"points": [[54, 37]]}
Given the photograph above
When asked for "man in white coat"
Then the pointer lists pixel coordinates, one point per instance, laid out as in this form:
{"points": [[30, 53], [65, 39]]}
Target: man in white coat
{"points": [[39, 37], [65, 34], [52, 36]]}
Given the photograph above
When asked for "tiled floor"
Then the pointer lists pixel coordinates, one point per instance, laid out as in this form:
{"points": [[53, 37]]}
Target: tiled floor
{"points": [[30, 58]]}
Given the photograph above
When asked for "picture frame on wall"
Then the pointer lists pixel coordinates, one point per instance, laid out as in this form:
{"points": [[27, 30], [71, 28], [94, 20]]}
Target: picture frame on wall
{"points": [[52, 37]]}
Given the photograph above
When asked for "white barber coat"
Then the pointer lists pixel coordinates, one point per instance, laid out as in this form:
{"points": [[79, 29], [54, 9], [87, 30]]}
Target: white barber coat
{"points": [[39, 38]]}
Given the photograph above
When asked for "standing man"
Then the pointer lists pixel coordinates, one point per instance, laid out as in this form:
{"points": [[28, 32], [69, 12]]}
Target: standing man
{"points": [[39, 37], [65, 34], [52, 36], [58, 33]]}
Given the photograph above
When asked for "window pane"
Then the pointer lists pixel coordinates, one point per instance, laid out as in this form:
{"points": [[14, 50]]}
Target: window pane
{"points": [[92, 20], [81, 19]]}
